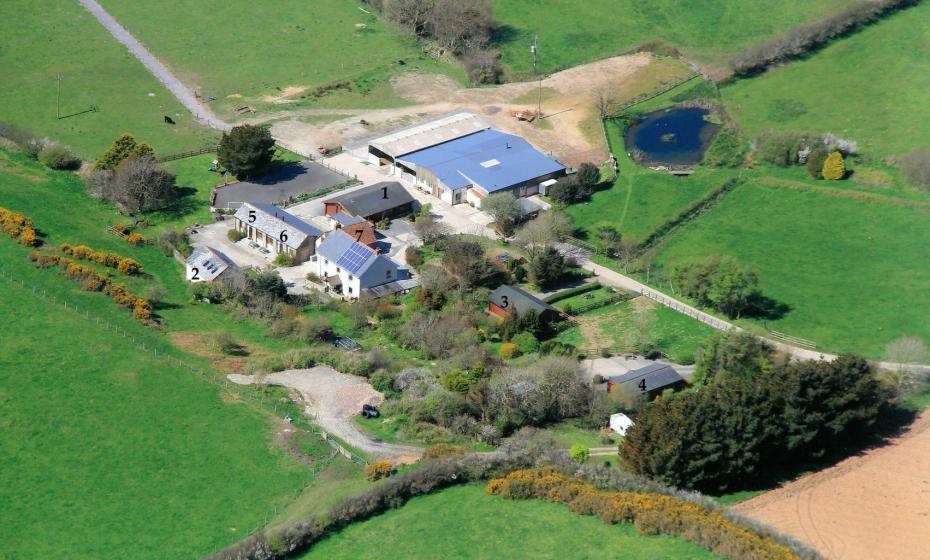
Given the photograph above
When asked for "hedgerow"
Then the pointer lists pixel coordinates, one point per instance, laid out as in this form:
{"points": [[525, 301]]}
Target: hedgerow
{"points": [[652, 513], [93, 281], [124, 265], [18, 227]]}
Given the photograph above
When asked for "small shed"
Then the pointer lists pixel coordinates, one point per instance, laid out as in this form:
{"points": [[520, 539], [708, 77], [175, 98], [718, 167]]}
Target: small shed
{"points": [[620, 423], [506, 301], [649, 380], [207, 264]]}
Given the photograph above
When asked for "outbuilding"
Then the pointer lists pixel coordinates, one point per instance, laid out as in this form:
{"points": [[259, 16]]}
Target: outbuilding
{"points": [[387, 199], [207, 264], [649, 380], [620, 423], [506, 301]]}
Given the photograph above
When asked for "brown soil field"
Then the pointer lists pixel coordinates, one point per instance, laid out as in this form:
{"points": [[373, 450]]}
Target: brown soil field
{"points": [[874, 506]]}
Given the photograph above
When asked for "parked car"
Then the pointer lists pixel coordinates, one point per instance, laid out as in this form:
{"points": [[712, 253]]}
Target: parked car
{"points": [[369, 411]]}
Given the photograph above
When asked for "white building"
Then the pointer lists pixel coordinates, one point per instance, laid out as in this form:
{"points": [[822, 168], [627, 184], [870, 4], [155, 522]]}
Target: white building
{"points": [[206, 264], [354, 270]]}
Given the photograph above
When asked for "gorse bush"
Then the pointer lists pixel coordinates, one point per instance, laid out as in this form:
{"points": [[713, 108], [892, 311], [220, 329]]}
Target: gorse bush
{"points": [[834, 168], [651, 513], [124, 265], [56, 156], [19, 227], [92, 281], [379, 470]]}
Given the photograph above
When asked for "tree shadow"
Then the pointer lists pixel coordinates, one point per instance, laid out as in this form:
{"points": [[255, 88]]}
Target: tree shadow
{"points": [[504, 34], [764, 307]]}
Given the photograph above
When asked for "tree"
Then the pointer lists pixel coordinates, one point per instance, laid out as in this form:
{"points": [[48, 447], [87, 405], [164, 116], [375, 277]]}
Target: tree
{"points": [[580, 453], [605, 101], [780, 148], [543, 231], [731, 354], [412, 14], [461, 25], [57, 156], [138, 185], [916, 168], [588, 178], [906, 350], [268, 282], [504, 210], [547, 267], [466, 261], [246, 150], [609, 238], [123, 148], [834, 168], [431, 230], [566, 190], [815, 162], [718, 282]]}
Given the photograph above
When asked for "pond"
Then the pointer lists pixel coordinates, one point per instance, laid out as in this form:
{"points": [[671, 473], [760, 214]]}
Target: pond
{"points": [[671, 136]]}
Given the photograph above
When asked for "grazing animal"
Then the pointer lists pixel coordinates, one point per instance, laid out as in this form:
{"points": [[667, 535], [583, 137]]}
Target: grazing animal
{"points": [[169, 120]]}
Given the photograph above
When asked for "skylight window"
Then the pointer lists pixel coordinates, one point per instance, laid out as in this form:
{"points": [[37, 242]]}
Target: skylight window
{"points": [[490, 163]]}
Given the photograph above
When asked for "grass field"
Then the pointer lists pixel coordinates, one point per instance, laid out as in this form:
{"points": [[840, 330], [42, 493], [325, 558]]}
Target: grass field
{"points": [[878, 94], [242, 52], [110, 452], [572, 33], [40, 39], [851, 271], [640, 199], [466, 523]]}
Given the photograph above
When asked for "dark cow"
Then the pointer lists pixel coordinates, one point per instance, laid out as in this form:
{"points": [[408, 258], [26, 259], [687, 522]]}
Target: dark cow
{"points": [[169, 120]]}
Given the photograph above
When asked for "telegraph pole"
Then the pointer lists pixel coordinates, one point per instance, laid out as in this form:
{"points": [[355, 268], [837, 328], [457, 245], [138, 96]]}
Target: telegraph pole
{"points": [[58, 99], [535, 50]]}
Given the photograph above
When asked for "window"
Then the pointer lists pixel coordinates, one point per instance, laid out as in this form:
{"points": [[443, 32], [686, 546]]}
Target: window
{"points": [[350, 277], [338, 270], [388, 273], [313, 258], [350, 289], [325, 261]]}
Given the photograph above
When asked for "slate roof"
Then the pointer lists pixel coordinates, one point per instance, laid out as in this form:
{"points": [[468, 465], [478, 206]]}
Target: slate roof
{"points": [[209, 262], [656, 375], [368, 265], [370, 200], [519, 300], [344, 219], [490, 159], [271, 220]]}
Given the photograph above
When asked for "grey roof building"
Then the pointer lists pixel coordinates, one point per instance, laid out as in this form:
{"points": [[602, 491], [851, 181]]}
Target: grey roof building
{"points": [[649, 380], [381, 200], [507, 300], [207, 264], [269, 226]]}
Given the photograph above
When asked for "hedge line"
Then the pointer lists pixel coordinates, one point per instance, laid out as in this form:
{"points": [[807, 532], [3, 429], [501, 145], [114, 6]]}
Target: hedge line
{"points": [[801, 40], [93, 281], [124, 265], [18, 227], [652, 513], [571, 292]]}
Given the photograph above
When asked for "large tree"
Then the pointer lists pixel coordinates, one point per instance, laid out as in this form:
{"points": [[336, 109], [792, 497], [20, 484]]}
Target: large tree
{"points": [[504, 210], [246, 150], [466, 261], [138, 185], [543, 231]]}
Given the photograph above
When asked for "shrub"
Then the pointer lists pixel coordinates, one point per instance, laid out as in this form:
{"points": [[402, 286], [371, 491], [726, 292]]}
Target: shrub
{"points": [[382, 382], [224, 343], [815, 162], [834, 168], [728, 148], [173, 240], [234, 235], [525, 342], [556, 348], [444, 451], [317, 328], [18, 227], [580, 453], [154, 294], [781, 148], [57, 156], [379, 470], [284, 259], [916, 168], [508, 350], [123, 148], [124, 265], [412, 256]]}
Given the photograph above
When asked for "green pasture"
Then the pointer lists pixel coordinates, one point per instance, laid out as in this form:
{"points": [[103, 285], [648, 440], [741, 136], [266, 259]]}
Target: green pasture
{"points": [[572, 33], [44, 38], [849, 271], [465, 522], [243, 52], [871, 87]]}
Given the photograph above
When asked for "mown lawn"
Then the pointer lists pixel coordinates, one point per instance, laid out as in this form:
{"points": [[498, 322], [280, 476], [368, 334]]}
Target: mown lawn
{"points": [[43, 38], [241, 52], [110, 452], [466, 523], [572, 33], [850, 271], [877, 94]]}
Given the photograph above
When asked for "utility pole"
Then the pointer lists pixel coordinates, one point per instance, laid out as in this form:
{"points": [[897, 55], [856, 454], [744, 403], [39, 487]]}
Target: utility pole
{"points": [[58, 99], [535, 50]]}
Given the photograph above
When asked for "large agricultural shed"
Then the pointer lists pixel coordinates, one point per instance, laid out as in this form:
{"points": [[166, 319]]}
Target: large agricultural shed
{"points": [[459, 158]]}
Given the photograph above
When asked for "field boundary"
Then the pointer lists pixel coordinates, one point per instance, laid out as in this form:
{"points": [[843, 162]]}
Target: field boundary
{"points": [[839, 193]]}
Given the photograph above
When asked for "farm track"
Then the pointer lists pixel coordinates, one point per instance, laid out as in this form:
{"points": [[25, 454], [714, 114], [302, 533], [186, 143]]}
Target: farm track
{"points": [[181, 92]]}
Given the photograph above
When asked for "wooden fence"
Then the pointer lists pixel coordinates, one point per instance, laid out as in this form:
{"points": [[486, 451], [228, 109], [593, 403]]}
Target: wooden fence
{"points": [[189, 153]]}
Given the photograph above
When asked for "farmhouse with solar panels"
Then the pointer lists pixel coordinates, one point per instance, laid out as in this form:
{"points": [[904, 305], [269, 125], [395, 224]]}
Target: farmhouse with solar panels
{"points": [[270, 229], [207, 264], [459, 158], [353, 270]]}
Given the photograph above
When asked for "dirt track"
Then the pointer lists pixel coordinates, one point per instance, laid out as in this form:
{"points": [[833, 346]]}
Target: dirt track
{"points": [[871, 507]]}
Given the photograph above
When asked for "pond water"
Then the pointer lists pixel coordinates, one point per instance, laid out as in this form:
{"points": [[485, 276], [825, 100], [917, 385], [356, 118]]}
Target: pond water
{"points": [[671, 136]]}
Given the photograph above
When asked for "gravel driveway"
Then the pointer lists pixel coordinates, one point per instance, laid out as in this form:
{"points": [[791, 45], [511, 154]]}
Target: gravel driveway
{"points": [[332, 399]]}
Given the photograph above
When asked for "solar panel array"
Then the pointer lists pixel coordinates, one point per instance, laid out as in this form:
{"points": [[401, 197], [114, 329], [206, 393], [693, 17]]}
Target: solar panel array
{"points": [[353, 259]]}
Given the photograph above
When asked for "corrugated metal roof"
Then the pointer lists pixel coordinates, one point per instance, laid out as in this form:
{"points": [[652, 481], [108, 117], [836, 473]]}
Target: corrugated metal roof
{"points": [[490, 159], [209, 262], [370, 200], [271, 220], [656, 376], [391, 288], [429, 133], [519, 300]]}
